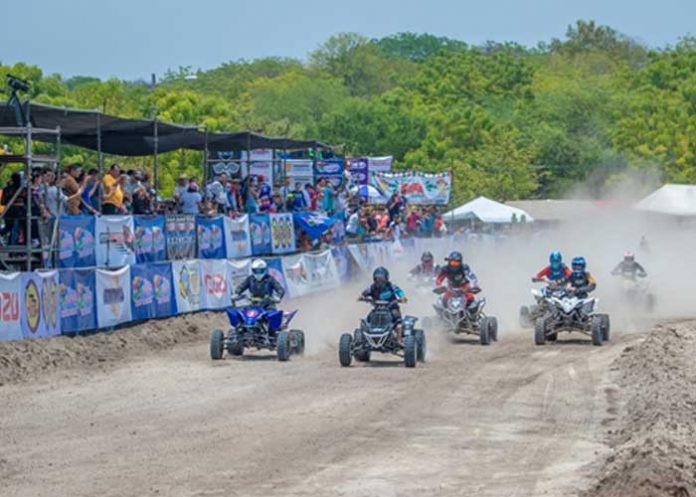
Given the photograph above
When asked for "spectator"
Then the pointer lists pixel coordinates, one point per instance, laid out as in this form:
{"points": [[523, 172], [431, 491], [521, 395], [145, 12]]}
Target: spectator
{"points": [[90, 193], [191, 200], [286, 189], [327, 199], [234, 199], [53, 196], [142, 196], [412, 222], [310, 195], [179, 190], [265, 190], [215, 191], [113, 192], [353, 224], [72, 189], [396, 205], [250, 195], [297, 200]]}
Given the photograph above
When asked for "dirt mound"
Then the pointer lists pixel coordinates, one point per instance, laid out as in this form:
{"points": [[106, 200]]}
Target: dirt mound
{"points": [[654, 451], [25, 359]]}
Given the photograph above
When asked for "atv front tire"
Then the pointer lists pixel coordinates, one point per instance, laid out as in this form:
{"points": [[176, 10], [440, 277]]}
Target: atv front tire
{"points": [[217, 342], [300, 342], [485, 331], [283, 346], [540, 331], [345, 356], [596, 330], [493, 328], [606, 327], [410, 351], [420, 345]]}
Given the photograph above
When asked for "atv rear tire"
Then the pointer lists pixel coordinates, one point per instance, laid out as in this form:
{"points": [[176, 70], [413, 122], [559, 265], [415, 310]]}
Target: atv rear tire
{"points": [[596, 330], [525, 317], [493, 328], [540, 331], [485, 331], [236, 348], [345, 355], [606, 327], [217, 343], [300, 338], [410, 351], [420, 345], [283, 348]]}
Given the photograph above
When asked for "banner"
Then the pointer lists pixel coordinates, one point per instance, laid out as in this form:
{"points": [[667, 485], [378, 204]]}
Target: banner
{"points": [[357, 166], [309, 273], [78, 310], [186, 282], [10, 325], [210, 237], [338, 230], [113, 297], [282, 233], [180, 230], [149, 241], [361, 255], [151, 291], [299, 168], [331, 167], [379, 164], [259, 164], [237, 271], [341, 258], [216, 290], [115, 241], [39, 301], [275, 269], [237, 239], [77, 247], [224, 162], [260, 233], [417, 187], [314, 224]]}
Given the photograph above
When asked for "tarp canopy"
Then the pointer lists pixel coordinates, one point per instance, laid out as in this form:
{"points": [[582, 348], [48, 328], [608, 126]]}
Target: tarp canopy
{"points": [[677, 200], [136, 137], [313, 223], [487, 211]]}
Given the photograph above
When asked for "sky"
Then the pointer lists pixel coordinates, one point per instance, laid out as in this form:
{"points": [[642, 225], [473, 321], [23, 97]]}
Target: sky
{"points": [[130, 39]]}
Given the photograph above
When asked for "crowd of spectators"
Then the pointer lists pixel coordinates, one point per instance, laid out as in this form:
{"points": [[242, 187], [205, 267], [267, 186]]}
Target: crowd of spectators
{"points": [[80, 190]]}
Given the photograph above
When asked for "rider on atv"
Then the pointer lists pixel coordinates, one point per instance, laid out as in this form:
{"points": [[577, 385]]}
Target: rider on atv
{"points": [[383, 289], [580, 282], [629, 268], [427, 266], [556, 271], [458, 276], [262, 287]]}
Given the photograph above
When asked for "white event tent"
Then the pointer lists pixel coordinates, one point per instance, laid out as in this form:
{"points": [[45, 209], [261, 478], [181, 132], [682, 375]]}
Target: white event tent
{"points": [[676, 200], [487, 211]]}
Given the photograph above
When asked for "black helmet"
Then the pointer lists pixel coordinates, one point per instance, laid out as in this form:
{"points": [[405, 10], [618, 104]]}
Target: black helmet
{"points": [[380, 276], [455, 259], [427, 257]]}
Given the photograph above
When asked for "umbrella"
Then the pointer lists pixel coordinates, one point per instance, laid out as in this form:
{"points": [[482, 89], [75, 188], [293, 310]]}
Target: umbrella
{"points": [[368, 191]]}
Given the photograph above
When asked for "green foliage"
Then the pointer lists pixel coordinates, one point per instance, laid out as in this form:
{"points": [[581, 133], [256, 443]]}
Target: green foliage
{"points": [[509, 121]]}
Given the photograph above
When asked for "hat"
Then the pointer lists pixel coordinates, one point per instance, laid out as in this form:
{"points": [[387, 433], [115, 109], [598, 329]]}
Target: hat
{"points": [[183, 176]]}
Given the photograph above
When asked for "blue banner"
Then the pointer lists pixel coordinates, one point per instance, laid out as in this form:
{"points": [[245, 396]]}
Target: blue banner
{"points": [[211, 240], [314, 224], [338, 230], [149, 240], [77, 247], [181, 237], [330, 167], [260, 232], [151, 291], [78, 310], [275, 269]]}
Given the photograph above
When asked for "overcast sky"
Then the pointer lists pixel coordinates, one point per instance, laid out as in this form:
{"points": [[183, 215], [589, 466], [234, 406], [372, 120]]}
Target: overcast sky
{"points": [[132, 38]]}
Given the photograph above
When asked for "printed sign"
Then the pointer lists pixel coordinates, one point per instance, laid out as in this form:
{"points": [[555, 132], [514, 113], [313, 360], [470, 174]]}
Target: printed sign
{"points": [[357, 166], [282, 233], [309, 273], [151, 291], [260, 233], [237, 239], [115, 241], [216, 288], [77, 247], [210, 237], [299, 168], [379, 164], [113, 297], [417, 187], [77, 300], [237, 272], [10, 325], [180, 232], [39, 300], [186, 277], [149, 240]]}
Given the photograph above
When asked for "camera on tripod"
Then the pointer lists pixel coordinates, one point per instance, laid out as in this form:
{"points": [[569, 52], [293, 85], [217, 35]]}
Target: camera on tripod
{"points": [[17, 84]]}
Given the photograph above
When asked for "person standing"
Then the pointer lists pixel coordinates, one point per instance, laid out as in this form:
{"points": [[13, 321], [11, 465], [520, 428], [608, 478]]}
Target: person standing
{"points": [[327, 200], [72, 189], [113, 193]]}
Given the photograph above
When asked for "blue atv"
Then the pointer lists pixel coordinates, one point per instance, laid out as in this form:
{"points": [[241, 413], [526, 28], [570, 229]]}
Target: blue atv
{"points": [[258, 326]]}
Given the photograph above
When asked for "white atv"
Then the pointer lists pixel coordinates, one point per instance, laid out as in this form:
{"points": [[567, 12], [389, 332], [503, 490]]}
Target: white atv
{"points": [[529, 314], [567, 312], [636, 292], [458, 317]]}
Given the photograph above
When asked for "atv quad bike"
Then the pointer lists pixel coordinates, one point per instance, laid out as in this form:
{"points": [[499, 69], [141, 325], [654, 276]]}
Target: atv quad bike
{"points": [[568, 312], [460, 318], [529, 314]]}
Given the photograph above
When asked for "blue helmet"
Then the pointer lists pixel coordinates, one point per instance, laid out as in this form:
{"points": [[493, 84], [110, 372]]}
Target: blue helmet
{"points": [[579, 264], [555, 259]]}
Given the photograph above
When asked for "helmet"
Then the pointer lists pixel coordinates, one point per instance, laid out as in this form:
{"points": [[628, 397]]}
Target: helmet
{"points": [[427, 257], [555, 259], [380, 276], [629, 257], [259, 269], [455, 259], [579, 264]]}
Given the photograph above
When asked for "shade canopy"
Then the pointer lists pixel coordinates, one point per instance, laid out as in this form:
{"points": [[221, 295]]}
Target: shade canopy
{"points": [[676, 200], [488, 211], [136, 137]]}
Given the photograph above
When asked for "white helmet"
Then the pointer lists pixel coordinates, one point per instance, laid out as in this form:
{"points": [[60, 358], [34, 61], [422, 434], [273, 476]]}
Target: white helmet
{"points": [[259, 268]]}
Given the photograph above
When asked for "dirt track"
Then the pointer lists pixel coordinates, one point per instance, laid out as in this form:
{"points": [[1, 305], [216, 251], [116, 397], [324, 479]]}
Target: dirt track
{"points": [[506, 420]]}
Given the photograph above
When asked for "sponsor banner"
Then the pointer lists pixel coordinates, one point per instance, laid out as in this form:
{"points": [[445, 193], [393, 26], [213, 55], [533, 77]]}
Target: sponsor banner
{"points": [[338, 230], [237, 239], [216, 289], [237, 271], [260, 233], [39, 300], [260, 163], [314, 224], [180, 232], [380, 253], [186, 280], [282, 233], [77, 247], [10, 324], [151, 291], [78, 310], [299, 168], [113, 297], [309, 273], [224, 162], [275, 269], [114, 238], [331, 167], [149, 240], [361, 255], [342, 259], [210, 237], [335, 181], [417, 187], [357, 166], [379, 164]]}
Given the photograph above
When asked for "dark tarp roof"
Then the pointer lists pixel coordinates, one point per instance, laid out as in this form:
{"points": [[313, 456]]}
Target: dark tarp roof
{"points": [[135, 137]]}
